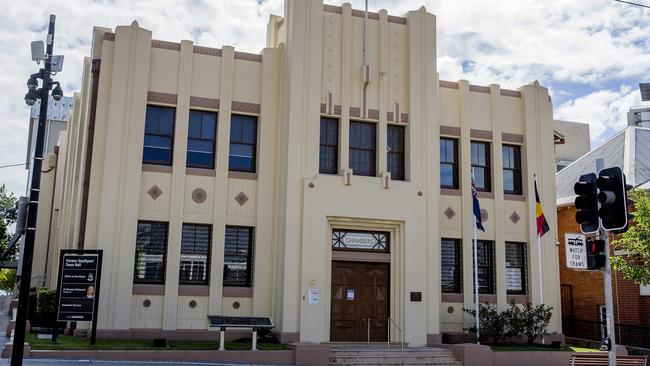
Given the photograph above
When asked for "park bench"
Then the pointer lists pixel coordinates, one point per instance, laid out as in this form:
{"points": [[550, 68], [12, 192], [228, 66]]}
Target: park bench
{"points": [[238, 322], [598, 358]]}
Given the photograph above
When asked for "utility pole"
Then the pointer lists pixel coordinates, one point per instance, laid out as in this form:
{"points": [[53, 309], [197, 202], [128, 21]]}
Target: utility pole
{"points": [[34, 190]]}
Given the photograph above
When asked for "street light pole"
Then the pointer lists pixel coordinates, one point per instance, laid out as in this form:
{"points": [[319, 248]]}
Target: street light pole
{"points": [[32, 208]]}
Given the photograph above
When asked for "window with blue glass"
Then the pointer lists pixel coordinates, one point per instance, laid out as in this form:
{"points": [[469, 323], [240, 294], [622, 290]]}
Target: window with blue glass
{"points": [[243, 143], [395, 140], [201, 136], [158, 135], [363, 148], [449, 163]]}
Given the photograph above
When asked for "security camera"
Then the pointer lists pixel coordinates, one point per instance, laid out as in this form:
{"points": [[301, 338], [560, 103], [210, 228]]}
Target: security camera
{"points": [[30, 99], [57, 93]]}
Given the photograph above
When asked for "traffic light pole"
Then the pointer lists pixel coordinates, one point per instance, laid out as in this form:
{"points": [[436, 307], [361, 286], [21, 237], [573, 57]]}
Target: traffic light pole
{"points": [[609, 302], [32, 209]]}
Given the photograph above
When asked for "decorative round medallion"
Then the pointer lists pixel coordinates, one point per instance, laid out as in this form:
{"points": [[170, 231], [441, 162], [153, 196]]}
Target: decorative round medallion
{"points": [[146, 303], [450, 309], [192, 304], [199, 195], [484, 215], [236, 305]]}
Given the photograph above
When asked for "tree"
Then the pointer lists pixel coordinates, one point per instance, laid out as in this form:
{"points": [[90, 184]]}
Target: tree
{"points": [[635, 242], [8, 214]]}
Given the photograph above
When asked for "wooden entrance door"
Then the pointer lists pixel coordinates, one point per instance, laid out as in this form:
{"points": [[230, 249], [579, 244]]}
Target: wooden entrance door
{"points": [[359, 295]]}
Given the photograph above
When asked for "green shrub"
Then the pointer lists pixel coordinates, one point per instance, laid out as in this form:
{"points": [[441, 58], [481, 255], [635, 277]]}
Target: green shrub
{"points": [[46, 301], [492, 324], [530, 322]]}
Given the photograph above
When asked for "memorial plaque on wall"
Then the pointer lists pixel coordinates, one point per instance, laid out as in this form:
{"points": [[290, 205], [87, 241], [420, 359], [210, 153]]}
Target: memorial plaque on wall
{"points": [[79, 280]]}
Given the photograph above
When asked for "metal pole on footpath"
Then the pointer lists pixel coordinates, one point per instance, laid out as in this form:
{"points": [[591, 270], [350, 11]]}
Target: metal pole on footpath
{"points": [[32, 208], [609, 303], [607, 276]]}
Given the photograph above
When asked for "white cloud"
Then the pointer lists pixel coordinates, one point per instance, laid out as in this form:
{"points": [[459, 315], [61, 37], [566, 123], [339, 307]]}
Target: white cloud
{"points": [[598, 43], [604, 110]]}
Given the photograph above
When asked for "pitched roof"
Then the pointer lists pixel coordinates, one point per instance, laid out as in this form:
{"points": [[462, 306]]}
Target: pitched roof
{"points": [[628, 149]]}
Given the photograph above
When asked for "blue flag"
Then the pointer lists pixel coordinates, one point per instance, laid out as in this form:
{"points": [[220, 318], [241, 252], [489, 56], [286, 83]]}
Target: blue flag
{"points": [[477, 208]]}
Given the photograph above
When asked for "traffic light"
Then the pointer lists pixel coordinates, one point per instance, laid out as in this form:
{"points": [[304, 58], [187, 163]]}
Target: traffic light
{"points": [[587, 203], [613, 199], [595, 254]]}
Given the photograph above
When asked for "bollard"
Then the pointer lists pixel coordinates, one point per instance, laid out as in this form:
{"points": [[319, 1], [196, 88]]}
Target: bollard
{"points": [[254, 341], [222, 340]]}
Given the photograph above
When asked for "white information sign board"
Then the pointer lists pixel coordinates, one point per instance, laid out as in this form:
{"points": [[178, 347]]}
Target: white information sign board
{"points": [[313, 296], [576, 251]]}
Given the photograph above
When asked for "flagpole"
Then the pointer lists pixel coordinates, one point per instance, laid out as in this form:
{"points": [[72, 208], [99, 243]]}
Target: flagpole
{"points": [[539, 256], [476, 276]]}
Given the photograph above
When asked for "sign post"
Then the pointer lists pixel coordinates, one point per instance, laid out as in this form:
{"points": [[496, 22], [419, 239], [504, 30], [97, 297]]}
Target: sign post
{"points": [[78, 290]]}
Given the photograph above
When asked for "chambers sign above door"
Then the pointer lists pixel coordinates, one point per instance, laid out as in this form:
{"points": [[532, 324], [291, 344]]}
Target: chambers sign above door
{"points": [[360, 240]]}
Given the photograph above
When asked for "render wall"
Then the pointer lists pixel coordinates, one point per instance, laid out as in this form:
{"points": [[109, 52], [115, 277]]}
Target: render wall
{"points": [[314, 67]]}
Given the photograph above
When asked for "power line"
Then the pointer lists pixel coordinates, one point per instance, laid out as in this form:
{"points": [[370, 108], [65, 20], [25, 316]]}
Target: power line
{"points": [[11, 165], [631, 3]]}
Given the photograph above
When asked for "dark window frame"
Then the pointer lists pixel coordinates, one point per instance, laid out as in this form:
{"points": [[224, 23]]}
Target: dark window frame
{"points": [[523, 269], [457, 266], [400, 155], [453, 164], [516, 170], [487, 167], [250, 273], [213, 139], [486, 247], [208, 254], [158, 134], [328, 123], [372, 151], [163, 252], [241, 141]]}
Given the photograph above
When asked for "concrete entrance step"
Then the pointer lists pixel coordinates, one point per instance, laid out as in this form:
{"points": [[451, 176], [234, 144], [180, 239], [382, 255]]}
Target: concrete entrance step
{"points": [[383, 356]]}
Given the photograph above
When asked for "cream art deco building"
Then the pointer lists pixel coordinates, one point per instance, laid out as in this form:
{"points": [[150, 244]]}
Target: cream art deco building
{"points": [[314, 183]]}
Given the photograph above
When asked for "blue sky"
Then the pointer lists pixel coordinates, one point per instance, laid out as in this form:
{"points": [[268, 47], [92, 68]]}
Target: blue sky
{"points": [[590, 54]]}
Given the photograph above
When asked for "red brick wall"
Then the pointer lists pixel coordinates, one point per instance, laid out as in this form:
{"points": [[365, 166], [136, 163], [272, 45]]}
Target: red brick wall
{"points": [[588, 287]]}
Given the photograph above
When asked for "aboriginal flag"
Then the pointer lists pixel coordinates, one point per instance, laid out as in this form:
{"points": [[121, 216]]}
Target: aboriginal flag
{"points": [[542, 225]]}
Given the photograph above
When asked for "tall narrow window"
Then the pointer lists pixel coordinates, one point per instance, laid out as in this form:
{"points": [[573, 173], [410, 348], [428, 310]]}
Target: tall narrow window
{"points": [[516, 268], [195, 254], [396, 152], [363, 148], [238, 257], [329, 146], [485, 267], [150, 252], [481, 165], [201, 136], [451, 265], [511, 169], [243, 143], [158, 135], [448, 163]]}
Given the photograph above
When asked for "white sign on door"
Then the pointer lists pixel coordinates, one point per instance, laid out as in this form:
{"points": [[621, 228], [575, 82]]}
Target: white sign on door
{"points": [[576, 251]]}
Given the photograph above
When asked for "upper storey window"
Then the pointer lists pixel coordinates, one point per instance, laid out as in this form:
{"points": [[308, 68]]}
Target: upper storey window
{"points": [[159, 135], [396, 152], [511, 169], [363, 148], [481, 165], [243, 143], [329, 146], [449, 163], [201, 136]]}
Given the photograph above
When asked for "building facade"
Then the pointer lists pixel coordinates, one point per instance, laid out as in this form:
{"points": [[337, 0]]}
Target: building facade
{"points": [[313, 183], [583, 295], [572, 142]]}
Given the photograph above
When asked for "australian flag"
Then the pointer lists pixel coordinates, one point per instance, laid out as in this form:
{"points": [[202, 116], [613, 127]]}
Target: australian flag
{"points": [[477, 208]]}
